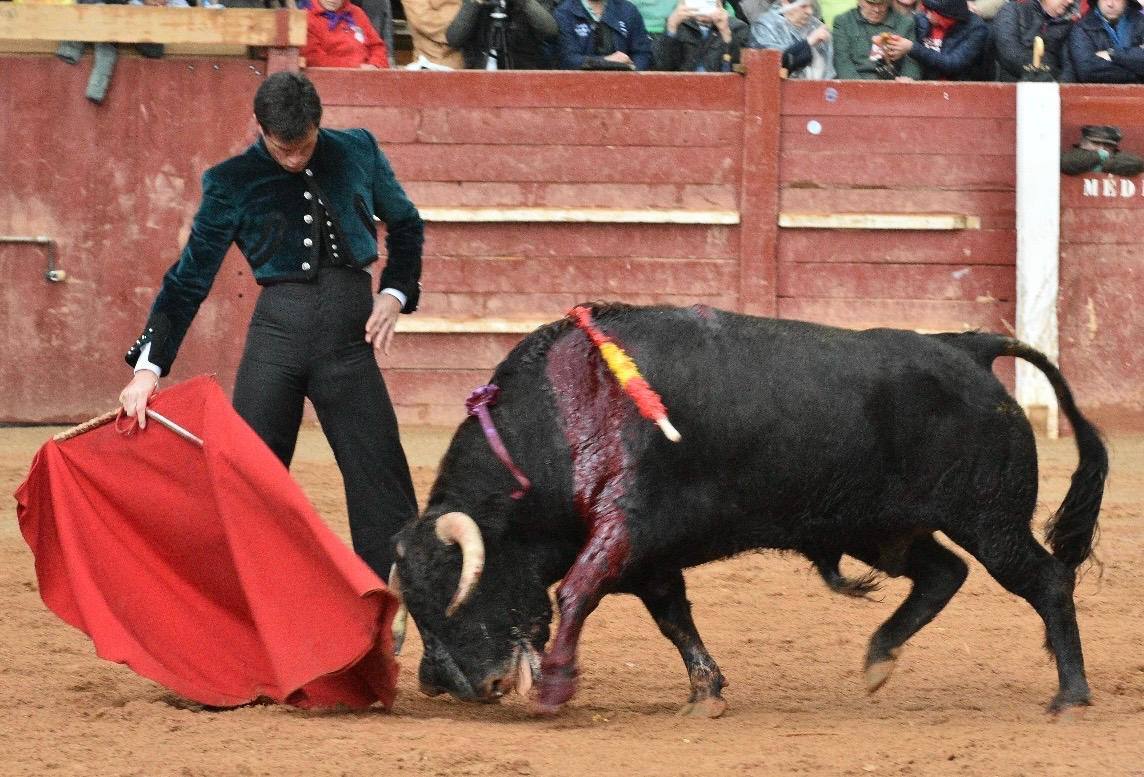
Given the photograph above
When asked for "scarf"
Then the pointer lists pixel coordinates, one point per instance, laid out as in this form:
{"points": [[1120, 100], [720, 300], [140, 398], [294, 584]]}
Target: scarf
{"points": [[937, 31], [336, 17], [1122, 35]]}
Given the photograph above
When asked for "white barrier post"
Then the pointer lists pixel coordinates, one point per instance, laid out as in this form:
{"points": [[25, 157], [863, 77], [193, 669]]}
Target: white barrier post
{"points": [[1038, 239]]}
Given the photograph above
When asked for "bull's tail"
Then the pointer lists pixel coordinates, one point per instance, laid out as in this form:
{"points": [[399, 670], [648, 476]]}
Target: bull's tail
{"points": [[1071, 529]]}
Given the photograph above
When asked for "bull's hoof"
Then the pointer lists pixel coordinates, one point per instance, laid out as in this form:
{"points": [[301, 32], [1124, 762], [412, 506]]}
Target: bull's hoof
{"points": [[539, 709], [1067, 709], [878, 672], [555, 687], [709, 707]]}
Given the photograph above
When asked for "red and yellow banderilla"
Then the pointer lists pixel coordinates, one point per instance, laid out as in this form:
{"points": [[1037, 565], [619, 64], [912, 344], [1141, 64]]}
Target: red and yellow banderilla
{"points": [[647, 401]]}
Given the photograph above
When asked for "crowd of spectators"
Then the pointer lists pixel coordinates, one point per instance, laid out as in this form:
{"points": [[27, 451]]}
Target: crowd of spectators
{"points": [[1087, 41]]}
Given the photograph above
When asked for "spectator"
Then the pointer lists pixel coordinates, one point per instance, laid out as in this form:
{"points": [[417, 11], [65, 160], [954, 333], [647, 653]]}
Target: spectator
{"points": [[858, 56], [1015, 26], [428, 20], [107, 54], [906, 7], [338, 34], [503, 34], [1105, 45], [790, 26], [829, 10], [602, 35], [950, 42], [380, 15], [695, 41], [654, 14]]}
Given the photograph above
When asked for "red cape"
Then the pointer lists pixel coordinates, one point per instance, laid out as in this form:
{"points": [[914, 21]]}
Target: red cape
{"points": [[205, 569]]}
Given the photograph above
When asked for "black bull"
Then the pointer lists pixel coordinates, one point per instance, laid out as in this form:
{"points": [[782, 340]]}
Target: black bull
{"points": [[796, 436]]}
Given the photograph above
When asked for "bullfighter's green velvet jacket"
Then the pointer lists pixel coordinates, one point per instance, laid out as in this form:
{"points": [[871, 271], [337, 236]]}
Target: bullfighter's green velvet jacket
{"points": [[273, 216]]}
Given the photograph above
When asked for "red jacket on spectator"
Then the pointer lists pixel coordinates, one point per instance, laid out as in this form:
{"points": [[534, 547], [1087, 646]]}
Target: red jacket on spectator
{"points": [[342, 38]]}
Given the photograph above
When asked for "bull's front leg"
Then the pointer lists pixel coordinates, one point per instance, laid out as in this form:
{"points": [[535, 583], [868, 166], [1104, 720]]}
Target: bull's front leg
{"points": [[665, 597], [592, 575]]}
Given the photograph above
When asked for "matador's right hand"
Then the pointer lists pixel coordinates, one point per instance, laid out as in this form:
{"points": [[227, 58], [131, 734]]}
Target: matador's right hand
{"points": [[137, 394]]}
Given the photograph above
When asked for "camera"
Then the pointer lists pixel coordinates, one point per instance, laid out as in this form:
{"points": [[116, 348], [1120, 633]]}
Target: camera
{"points": [[701, 6]]}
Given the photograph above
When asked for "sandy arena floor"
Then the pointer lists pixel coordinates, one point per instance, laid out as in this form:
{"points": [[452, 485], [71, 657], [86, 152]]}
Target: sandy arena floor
{"points": [[967, 698]]}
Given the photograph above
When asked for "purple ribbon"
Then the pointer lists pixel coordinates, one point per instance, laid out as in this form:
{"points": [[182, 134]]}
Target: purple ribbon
{"points": [[478, 405], [337, 16]]}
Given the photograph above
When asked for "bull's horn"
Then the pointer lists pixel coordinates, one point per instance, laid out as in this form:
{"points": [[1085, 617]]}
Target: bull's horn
{"points": [[461, 530], [401, 617]]}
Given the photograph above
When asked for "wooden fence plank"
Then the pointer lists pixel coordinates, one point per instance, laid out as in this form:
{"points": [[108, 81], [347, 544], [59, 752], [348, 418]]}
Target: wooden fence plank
{"points": [[946, 136], [867, 169], [677, 241], [532, 89], [578, 276], [559, 195], [555, 163], [149, 24], [924, 315], [987, 246], [546, 306], [897, 281], [889, 101]]}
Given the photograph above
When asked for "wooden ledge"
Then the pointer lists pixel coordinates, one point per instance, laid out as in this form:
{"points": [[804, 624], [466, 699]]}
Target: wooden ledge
{"points": [[893, 221], [460, 325], [578, 215], [279, 28]]}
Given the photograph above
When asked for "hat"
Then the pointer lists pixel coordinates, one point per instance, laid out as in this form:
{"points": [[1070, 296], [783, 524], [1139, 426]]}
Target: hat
{"points": [[953, 9], [1101, 133], [877, 2]]}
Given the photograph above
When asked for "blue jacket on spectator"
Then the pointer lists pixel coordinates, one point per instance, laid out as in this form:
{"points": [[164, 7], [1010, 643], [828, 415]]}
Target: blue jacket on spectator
{"points": [[962, 50], [578, 35], [1092, 34]]}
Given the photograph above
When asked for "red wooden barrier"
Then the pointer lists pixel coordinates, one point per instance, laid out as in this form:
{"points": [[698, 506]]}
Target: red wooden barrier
{"points": [[115, 186]]}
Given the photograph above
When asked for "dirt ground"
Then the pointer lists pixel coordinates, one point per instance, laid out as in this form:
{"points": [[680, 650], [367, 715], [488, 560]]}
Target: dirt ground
{"points": [[968, 697]]}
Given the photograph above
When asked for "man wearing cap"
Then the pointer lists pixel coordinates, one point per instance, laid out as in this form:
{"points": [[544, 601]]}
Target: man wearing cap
{"points": [[950, 42], [1099, 151], [1105, 45], [858, 53], [300, 203]]}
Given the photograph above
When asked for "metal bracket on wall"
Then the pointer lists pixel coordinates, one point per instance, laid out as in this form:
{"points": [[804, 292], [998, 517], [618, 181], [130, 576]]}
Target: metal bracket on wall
{"points": [[52, 273]]}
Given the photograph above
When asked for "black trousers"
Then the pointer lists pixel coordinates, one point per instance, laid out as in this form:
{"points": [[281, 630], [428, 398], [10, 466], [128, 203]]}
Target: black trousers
{"points": [[307, 340]]}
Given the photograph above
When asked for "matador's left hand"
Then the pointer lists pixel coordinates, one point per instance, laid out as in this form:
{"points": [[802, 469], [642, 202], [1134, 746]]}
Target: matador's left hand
{"points": [[382, 321]]}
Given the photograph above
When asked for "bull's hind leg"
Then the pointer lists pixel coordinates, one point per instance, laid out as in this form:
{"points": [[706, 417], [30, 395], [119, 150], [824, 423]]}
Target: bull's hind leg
{"points": [[1011, 554], [666, 599], [936, 573]]}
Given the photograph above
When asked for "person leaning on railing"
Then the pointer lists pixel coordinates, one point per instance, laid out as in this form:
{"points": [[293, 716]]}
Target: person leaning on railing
{"points": [[951, 42], [858, 53], [503, 34], [338, 34], [1107, 44], [602, 35], [107, 54], [695, 39], [805, 42]]}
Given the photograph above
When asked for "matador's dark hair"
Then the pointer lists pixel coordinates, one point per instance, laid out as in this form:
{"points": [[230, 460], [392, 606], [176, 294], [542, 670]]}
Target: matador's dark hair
{"points": [[287, 106]]}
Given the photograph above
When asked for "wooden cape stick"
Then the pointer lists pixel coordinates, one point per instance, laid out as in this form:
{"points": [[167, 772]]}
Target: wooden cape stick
{"points": [[111, 415]]}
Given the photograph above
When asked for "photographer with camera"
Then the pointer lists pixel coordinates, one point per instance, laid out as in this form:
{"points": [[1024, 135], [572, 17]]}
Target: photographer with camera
{"points": [[700, 37], [503, 34]]}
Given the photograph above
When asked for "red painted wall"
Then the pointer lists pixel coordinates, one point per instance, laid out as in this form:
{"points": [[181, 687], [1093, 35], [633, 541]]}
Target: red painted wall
{"points": [[116, 186]]}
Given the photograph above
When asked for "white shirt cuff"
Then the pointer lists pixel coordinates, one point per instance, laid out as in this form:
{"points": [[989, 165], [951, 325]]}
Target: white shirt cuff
{"points": [[391, 292], [143, 363]]}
